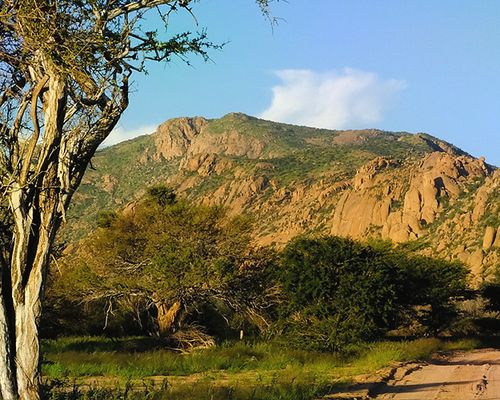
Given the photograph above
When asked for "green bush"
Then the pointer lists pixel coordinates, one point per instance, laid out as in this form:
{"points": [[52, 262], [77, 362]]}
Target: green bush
{"points": [[427, 287], [162, 267], [340, 292]]}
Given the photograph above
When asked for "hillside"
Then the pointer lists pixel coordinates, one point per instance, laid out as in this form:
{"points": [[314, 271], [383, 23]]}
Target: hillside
{"points": [[413, 189]]}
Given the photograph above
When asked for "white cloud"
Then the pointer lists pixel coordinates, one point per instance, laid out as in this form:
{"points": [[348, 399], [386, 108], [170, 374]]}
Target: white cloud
{"points": [[120, 134], [335, 100]]}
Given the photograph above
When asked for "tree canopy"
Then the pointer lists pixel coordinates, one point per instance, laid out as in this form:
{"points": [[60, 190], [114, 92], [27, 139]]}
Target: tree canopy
{"points": [[340, 292], [172, 258]]}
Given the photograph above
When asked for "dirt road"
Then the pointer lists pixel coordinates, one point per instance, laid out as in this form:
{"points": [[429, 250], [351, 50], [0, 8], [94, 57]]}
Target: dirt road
{"points": [[463, 376]]}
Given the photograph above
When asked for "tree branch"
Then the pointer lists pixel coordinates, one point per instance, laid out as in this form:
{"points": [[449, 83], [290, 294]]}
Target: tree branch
{"points": [[23, 176], [143, 4]]}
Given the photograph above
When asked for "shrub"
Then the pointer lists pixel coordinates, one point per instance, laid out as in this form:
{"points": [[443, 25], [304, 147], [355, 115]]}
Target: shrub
{"points": [[340, 292]]}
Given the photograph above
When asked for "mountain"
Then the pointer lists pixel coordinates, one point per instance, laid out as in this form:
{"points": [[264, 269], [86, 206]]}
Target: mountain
{"points": [[407, 188]]}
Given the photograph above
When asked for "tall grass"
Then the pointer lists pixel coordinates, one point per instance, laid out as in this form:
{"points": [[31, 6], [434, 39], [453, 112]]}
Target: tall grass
{"points": [[133, 358], [139, 368], [62, 359], [199, 391]]}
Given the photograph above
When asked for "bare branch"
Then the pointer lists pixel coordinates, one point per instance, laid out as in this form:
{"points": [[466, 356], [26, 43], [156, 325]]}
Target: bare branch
{"points": [[142, 4]]}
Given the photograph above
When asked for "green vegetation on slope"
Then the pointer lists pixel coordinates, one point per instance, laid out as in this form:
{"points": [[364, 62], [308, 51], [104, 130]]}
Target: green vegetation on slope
{"points": [[295, 153]]}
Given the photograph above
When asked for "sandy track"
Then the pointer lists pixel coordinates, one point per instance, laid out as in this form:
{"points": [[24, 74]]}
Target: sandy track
{"points": [[462, 376]]}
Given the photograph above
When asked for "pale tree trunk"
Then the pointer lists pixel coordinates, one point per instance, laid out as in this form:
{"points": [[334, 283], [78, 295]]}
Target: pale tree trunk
{"points": [[7, 374], [34, 201], [21, 304], [27, 296], [38, 200], [35, 220], [43, 173]]}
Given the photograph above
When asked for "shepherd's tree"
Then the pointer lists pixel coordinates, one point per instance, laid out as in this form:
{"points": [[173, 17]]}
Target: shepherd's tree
{"points": [[65, 68]]}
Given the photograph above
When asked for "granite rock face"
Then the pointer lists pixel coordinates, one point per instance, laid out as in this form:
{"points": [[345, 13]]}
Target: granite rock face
{"points": [[295, 180]]}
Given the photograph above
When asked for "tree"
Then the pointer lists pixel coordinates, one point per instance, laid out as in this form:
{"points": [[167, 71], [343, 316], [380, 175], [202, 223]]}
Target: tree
{"points": [[173, 258], [65, 67], [341, 289], [339, 292], [428, 287]]}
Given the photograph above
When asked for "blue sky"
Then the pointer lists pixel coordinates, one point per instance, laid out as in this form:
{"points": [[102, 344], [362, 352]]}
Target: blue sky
{"points": [[417, 66]]}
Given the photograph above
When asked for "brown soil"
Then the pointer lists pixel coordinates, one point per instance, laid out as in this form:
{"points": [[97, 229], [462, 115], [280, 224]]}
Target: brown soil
{"points": [[461, 376]]}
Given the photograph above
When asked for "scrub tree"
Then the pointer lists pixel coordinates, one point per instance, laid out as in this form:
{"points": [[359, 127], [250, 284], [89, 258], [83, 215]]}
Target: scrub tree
{"points": [[170, 259]]}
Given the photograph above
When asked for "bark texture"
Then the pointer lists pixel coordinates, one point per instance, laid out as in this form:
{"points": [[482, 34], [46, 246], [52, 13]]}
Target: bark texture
{"points": [[45, 175], [167, 317]]}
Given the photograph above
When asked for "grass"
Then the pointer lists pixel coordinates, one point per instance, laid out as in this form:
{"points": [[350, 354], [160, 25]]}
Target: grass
{"points": [[137, 368], [198, 391], [383, 354], [103, 357]]}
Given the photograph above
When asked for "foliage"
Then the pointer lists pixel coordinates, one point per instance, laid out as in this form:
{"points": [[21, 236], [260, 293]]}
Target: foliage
{"points": [[430, 285], [171, 260], [162, 195], [331, 293], [491, 292], [340, 292], [337, 286], [106, 218]]}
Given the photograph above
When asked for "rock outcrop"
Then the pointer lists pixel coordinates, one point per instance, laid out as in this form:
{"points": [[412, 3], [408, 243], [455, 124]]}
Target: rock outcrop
{"points": [[295, 180], [173, 138]]}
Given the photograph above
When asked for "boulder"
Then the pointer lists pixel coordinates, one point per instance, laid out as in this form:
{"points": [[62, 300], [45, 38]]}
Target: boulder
{"points": [[496, 243], [489, 237]]}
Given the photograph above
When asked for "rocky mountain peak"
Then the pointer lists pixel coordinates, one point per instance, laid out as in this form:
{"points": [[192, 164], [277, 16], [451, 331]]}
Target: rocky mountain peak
{"points": [[174, 137], [415, 190]]}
